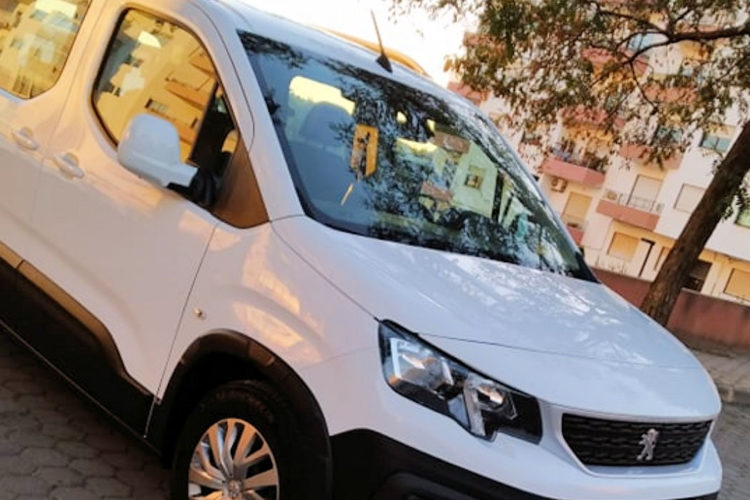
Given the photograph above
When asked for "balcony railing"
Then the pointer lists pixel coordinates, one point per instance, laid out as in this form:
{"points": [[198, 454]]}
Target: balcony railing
{"points": [[632, 201], [583, 116], [586, 160], [641, 152], [633, 210], [601, 57], [568, 170]]}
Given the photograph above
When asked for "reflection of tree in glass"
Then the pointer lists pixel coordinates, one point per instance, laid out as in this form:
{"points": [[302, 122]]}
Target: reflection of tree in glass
{"points": [[417, 191]]}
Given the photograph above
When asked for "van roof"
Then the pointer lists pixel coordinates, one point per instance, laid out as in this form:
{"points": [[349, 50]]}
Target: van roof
{"points": [[346, 49], [393, 54]]}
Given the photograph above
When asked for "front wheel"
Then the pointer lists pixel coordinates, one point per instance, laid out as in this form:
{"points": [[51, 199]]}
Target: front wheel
{"points": [[239, 444]]}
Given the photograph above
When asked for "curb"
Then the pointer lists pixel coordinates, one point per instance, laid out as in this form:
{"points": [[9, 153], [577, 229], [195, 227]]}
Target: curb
{"points": [[729, 394]]}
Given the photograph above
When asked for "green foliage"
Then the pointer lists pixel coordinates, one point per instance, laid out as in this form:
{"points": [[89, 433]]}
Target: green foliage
{"points": [[548, 58]]}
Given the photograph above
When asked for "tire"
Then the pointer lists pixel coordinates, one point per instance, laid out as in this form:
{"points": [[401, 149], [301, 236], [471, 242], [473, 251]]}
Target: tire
{"points": [[251, 412]]}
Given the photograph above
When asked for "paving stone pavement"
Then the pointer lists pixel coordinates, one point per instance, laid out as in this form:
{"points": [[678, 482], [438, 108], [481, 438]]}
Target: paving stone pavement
{"points": [[733, 440], [55, 445]]}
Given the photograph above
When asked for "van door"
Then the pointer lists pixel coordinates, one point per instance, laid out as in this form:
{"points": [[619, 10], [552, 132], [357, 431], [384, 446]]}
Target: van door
{"points": [[122, 253], [36, 39]]}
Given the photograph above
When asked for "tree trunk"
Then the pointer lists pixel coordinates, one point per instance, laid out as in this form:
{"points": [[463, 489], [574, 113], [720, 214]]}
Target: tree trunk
{"points": [[722, 191]]}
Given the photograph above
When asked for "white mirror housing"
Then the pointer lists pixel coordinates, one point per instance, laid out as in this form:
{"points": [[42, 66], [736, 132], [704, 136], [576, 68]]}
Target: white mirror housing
{"points": [[150, 148]]}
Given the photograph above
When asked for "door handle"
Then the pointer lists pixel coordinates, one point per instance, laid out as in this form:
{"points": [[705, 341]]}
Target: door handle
{"points": [[68, 165], [25, 138]]}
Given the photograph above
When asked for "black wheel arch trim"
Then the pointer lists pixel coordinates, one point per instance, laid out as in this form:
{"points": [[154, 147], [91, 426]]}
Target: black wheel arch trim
{"points": [[266, 365]]}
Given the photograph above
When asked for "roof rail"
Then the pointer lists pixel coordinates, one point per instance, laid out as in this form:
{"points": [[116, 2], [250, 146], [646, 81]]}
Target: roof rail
{"points": [[393, 54]]}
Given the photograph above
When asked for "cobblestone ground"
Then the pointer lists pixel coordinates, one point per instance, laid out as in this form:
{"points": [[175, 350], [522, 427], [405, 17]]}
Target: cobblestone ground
{"points": [[733, 440], [55, 445]]}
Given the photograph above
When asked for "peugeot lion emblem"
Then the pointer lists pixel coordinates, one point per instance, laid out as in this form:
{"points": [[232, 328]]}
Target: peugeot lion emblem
{"points": [[648, 441]]}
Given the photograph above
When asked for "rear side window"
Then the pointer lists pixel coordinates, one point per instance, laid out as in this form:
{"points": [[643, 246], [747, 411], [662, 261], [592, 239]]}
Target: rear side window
{"points": [[154, 66], [35, 39]]}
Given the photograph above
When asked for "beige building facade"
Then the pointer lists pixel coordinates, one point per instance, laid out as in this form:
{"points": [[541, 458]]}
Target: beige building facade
{"points": [[625, 212]]}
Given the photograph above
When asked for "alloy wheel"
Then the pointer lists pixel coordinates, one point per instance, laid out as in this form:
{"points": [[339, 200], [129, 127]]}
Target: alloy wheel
{"points": [[233, 461]]}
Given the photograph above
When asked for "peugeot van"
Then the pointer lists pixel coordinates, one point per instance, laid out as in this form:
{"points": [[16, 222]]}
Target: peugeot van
{"points": [[299, 270]]}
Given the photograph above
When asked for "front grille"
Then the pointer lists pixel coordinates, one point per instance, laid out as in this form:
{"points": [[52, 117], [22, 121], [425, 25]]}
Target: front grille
{"points": [[616, 443]]}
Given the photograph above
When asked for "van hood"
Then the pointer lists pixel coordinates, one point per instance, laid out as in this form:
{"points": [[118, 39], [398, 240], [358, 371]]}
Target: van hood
{"points": [[450, 296]]}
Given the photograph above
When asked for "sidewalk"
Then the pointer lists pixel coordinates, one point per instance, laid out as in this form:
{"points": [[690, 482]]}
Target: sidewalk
{"points": [[731, 372]]}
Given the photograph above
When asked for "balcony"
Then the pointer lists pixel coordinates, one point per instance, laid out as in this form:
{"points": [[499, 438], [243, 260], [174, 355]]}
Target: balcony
{"points": [[576, 227], [195, 97], [633, 210], [583, 116], [203, 63], [464, 90], [672, 89], [640, 153], [583, 170], [601, 57]]}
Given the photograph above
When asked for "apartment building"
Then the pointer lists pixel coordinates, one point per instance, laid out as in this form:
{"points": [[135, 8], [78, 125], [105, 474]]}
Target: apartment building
{"points": [[625, 211]]}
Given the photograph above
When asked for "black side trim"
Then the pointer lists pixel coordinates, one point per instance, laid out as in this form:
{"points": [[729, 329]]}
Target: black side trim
{"points": [[9, 304], [368, 465], [225, 356], [78, 344], [84, 317]]}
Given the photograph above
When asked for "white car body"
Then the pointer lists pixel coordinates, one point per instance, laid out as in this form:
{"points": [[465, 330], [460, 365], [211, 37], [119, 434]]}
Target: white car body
{"points": [[162, 273]]}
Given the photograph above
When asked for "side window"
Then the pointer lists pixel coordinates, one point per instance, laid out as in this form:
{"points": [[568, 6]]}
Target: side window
{"points": [[35, 39], [154, 66]]}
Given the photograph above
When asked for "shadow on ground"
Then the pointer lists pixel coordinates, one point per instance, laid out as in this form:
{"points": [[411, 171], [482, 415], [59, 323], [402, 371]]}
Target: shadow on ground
{"points": [[56, 445]]}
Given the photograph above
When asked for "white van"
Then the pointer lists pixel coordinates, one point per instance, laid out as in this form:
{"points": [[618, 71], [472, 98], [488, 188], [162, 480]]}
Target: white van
{"points": [[299, 274]]}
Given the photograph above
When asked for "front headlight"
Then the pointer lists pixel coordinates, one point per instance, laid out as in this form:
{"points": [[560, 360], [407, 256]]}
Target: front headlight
{"points": [[482, 406]]}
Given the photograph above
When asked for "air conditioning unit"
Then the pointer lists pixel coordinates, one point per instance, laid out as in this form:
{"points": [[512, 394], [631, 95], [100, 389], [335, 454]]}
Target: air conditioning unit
{"points": [[559, 185]]}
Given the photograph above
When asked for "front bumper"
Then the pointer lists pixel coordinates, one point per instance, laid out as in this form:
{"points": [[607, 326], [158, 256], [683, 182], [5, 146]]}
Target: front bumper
{"points": [[368, 465], [353, 395]]}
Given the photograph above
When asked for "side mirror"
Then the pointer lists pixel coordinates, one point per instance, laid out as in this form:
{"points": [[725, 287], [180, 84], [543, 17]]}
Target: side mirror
{"points": [[150, 148]]}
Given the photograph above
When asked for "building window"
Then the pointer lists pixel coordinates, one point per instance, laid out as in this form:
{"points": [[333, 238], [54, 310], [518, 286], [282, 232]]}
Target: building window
{"points": [[157, 107], [644, 194], [688, 198], [623, 247], [743, 219], [668, 135], [697, 277], [719, 139], [576, 209], [475, 178], [738, 285]]}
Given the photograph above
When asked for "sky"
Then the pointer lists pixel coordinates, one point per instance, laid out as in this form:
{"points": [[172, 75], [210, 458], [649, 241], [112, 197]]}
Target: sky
{"points": [[428, 41]]}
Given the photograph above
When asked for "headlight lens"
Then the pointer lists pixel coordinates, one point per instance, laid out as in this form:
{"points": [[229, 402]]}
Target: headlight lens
{"points": [[482, 406]]}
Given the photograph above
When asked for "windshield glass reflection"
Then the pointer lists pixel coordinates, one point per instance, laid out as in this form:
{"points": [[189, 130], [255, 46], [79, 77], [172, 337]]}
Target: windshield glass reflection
{"points": [[377, 158]]}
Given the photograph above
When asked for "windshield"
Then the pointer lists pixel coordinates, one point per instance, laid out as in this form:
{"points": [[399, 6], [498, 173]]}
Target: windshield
{"points": [[377, 158]]}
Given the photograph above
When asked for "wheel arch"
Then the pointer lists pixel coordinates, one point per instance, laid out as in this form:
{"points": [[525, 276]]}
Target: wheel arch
{"points": [[224, 356]]}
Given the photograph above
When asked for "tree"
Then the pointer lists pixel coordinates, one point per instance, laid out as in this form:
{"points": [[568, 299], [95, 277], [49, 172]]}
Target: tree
{"points": [[554, 60]]}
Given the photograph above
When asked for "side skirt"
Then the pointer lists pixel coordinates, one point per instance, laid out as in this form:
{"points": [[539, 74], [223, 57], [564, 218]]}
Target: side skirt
{"points": [[71, 339]]}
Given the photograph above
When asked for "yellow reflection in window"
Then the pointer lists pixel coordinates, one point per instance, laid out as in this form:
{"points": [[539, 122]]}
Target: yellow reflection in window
{"points": [[365, 150], [35, 40], [159, 69], [317, 92], [66, 8]]}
